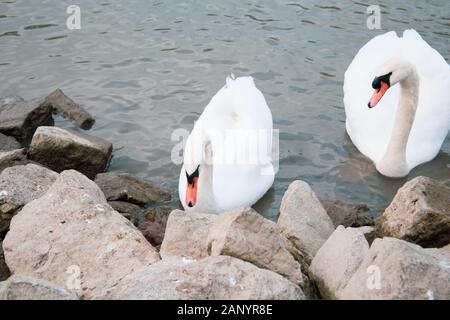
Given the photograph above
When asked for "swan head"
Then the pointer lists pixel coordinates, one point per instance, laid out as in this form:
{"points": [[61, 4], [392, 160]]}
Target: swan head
{"points": [[389, 74]]}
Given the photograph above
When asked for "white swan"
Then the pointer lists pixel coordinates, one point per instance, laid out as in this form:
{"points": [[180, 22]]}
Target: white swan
{"points": [[227, 157], [411, 121]]}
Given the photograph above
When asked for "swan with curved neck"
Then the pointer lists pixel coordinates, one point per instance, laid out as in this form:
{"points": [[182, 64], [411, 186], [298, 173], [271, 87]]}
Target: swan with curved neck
{"points": [[393, 163]]}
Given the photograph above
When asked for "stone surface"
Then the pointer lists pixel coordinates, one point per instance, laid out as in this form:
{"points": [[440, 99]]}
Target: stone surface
{"points": [[152, 231], [159, 215], [71, 227], [8, 143], [125, 187], [396, 269], [337, 260], [303, 220], [19, 118], [245, 234], [27, 288], [69, 109], [419, 213], [60, 149], [218, 277], [20, 185], [186, 235], [13, 158], [127, 209], [4, 270], [348, 214]]}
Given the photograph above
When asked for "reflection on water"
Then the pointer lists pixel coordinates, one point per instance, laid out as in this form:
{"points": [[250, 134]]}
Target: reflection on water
{"points": [[144, 68]]}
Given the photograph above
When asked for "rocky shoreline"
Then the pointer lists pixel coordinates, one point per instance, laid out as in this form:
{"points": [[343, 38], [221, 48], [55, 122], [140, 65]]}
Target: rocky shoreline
{"points": [[70, 230]]}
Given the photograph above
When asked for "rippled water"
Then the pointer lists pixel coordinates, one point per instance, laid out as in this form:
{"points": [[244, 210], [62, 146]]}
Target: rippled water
{"points": [[144, 68]]}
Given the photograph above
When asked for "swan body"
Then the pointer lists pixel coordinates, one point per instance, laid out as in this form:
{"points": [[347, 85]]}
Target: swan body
{"points": [[216, 176], [412, 119]]}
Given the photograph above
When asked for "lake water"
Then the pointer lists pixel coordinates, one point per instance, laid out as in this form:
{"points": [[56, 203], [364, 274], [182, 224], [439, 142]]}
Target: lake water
{"points": [[145, 68]]}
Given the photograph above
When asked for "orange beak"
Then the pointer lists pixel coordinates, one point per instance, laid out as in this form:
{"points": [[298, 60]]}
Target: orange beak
{"points": [[191, 193], [378, 94]]}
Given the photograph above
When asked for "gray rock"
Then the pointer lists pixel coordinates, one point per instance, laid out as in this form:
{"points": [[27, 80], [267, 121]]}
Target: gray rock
{"points": [[69, 109], [186, 235], [348, 214], [127, 209], [218, 277], [159, 215], [20, 185], [71, 227], [396, 269], [27, 288], [303, 220], [60, 149], [125, 187], [19, 118], [152, 231], [337, 260], [8, 143], [13, 158], [419, 213], [4, 270], [244, 234]]}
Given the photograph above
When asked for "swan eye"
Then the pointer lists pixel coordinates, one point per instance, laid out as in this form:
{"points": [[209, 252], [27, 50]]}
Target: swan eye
{"points": [[190, 177], [376, 84]]}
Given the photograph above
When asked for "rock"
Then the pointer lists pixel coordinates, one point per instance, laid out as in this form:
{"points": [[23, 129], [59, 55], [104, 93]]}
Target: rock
{"points": [[419, 213], [348, 214], [218, 277], [60, 149], [186, 235], [13, 158], [159, 215], [8, 143], [69, 109], [152, 231], [125, 187], [20, 185], [27, 288], [337, 260], [369, 232], [4, 270], [72, 230], [127, 209], [396, 269], [244, 234], [303, 220], [19, 118]]}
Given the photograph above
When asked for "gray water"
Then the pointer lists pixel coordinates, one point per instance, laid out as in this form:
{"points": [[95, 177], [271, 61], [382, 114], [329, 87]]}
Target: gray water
{"points": [[144, 68]]}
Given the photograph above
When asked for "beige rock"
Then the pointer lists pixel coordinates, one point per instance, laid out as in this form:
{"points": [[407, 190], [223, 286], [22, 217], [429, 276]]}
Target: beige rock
{"points": [[20, 185], [419, 213], [71, 228], [337, 260], [244, 234], [396, 269], [27, 288], [303, 220], [186, 235], [13, 158], [218, 277]]}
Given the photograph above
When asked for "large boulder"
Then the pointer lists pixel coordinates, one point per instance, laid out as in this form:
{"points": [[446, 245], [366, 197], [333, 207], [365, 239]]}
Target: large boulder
{"points": [[245, 234], [219, 277], [303, 220], [71, 228], [19, 118], [27, 288], [8, 143], [186, 235], [4, 270], [396, 269], [337, 260], [20, 185], [348, 214], [60, 149], [419, 213], [126, 187], [13, 158]]}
